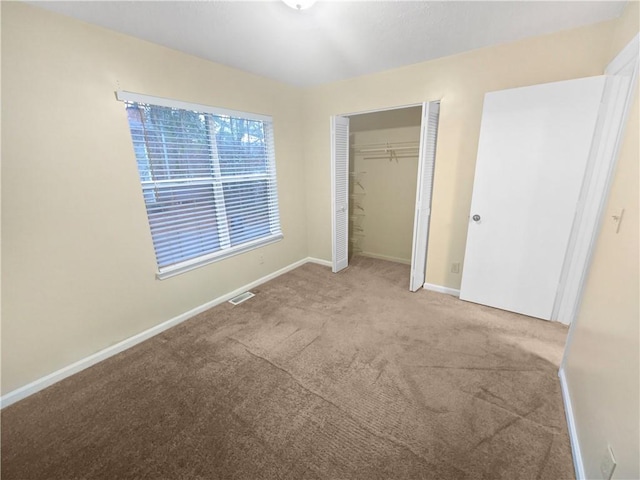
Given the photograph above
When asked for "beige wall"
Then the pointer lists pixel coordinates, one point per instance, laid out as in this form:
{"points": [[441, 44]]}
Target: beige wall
{"points": [[603, 360], [396, 118], [460, 82], [390, 195], [78, 269]]}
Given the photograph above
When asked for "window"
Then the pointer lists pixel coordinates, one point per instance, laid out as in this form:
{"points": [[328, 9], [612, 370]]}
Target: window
{"points": [[208, 180]]}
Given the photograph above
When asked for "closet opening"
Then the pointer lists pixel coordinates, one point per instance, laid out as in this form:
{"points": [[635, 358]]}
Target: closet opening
{"points": [[383, 168], [382, 165]]}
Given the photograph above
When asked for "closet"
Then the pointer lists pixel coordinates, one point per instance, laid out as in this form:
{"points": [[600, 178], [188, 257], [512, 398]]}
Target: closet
{"points": [[383, 170]]}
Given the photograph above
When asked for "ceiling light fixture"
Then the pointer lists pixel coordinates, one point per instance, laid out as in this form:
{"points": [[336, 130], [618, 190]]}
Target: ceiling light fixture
{"points": [[299, 4]]}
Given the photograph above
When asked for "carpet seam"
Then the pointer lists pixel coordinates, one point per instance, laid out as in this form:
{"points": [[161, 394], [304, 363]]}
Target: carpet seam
{"points": [[390, 439], [521, 417]]}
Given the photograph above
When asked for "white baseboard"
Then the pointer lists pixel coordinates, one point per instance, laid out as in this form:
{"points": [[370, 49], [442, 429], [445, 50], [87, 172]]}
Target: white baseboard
{"points": [[573, 433], [319, 261], [385, 257], [441, 289], [48, 380]]}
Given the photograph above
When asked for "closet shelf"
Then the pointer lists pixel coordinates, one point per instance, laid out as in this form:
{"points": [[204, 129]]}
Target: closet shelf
{"points": [[389, 150], [385, 147], [389, 156], [385, 150]]}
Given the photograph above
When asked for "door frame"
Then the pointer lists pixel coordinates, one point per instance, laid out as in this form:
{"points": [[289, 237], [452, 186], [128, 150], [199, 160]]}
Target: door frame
{"points": [[333, 166], [617, 100], [629, 55]]}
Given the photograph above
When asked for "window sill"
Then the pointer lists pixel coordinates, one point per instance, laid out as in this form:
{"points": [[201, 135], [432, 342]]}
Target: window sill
{"points": [[189, 265]]}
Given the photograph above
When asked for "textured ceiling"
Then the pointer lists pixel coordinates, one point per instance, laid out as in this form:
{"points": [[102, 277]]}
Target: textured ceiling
{"points": [[333, 40]]}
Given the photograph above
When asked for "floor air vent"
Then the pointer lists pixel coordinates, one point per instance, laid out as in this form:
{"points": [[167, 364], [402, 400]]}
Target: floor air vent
{"points": [[241, 298]]}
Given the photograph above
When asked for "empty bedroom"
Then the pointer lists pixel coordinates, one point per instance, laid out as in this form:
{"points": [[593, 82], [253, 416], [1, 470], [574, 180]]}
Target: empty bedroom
{"points": [[320, 240]]}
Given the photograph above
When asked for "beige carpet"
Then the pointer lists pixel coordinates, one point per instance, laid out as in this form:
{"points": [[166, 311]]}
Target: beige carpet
{"points": [[320, 376]]}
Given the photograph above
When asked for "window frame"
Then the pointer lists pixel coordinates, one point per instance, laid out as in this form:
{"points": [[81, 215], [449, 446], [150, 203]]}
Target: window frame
{"points": [[217, 182]]}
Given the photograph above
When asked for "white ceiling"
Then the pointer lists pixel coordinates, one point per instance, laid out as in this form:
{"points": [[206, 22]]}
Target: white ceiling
{"points": [[333, 40]]}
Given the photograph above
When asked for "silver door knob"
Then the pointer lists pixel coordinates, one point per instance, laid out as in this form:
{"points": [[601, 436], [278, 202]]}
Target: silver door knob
{"points": [[476, 218]]}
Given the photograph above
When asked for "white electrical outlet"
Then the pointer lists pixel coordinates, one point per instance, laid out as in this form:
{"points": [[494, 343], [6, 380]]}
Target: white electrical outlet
{"points": [[455, 267], [260, 259], [607, 464]]}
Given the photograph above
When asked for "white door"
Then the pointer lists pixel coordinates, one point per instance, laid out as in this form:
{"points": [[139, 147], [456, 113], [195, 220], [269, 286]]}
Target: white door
{"points": [[340, 191], [533, 150], [426, 165]]}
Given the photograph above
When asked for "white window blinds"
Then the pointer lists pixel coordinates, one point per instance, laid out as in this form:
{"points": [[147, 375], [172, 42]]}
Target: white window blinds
{"points": [[208, 180]]}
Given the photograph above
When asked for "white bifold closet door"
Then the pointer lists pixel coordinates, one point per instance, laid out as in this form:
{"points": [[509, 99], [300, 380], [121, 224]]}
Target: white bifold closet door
{"points": [[533, 150], [340, 191], [426, 166]]}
